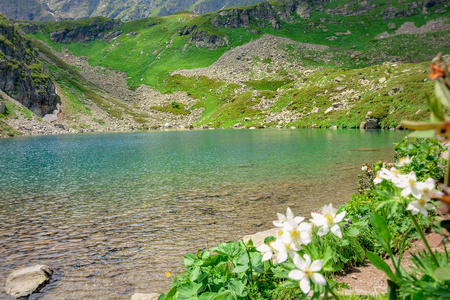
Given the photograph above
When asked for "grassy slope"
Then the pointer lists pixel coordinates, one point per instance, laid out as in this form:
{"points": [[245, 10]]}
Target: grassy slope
{"points": [[155, 50]]}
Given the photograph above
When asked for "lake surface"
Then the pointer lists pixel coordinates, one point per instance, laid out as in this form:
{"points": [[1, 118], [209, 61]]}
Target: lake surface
{"points": [[111, 213]]}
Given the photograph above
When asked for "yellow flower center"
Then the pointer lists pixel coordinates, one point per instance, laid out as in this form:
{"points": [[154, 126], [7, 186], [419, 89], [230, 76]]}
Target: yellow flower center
{"points": [[412, 181], [396, 172], [329, 218], [295, 234], [421, 202], [309, 273]]}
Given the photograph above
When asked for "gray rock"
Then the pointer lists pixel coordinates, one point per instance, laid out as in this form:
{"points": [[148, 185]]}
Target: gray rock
{"points": [[25, 281], [258, 238], [315, 110], [142, 296], [370, 123], [2, 107]]}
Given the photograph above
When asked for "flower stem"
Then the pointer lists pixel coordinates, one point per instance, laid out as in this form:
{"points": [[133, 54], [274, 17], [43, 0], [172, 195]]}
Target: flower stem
{"points": [[422, 236], [332, 292], [447, 172]]}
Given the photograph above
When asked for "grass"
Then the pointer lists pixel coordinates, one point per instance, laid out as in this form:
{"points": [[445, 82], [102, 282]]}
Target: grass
{"points": [[155, 49]]}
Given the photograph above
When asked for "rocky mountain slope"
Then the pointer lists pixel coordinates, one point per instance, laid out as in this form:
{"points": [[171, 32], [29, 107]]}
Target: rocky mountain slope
{"points": [[22, 74], [54, 10], [278, 64]]}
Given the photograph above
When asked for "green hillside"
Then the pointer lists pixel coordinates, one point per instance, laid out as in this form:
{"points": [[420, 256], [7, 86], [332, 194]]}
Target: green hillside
{"points": [[360, 40]]}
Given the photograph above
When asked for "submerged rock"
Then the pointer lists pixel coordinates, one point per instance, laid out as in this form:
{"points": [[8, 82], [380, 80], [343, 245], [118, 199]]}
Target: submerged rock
{"points": [[25, 281]]}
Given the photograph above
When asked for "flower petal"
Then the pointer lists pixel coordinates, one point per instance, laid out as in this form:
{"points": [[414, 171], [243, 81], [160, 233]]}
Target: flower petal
{"points": [[319, 279], [316, 265], [318, 219], [296, 275], [305, 285], [299, 262], [339, 217], [336, 230], [323, 230]]}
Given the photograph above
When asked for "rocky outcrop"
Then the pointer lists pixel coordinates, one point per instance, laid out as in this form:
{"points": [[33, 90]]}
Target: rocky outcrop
{"points": [[23, 76], [25, 281], [99, 28], [205, 39], [370, 122]]}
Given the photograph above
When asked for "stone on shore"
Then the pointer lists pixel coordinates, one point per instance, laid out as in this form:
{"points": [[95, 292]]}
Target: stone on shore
{"points": [[25, 281], [142, 296], [258, 238]]}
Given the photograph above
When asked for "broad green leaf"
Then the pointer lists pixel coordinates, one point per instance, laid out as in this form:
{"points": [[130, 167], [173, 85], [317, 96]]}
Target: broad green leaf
{"points": [[442, 273], [442, 93], [194, 274], [226, 295], [189, 260], [382, 231], [241, 263], [257, 264], [237, 286], [230, 249], [353, 231], [381, 265], [437, 115], [413, 125], [189, 291], [422, 134]]}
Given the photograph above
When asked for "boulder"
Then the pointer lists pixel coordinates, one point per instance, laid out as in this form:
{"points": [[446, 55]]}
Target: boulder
{"points": [[315, 110], [370, 123], [25, 281], [142, 296]]}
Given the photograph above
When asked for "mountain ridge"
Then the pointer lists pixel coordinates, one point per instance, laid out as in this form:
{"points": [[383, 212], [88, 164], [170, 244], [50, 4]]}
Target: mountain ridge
{"points": [[272, 64]]}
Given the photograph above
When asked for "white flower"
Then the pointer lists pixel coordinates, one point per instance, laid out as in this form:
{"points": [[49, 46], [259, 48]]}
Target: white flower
{"points": [[300, 235], [420, 206], [409, 185], [427, 187], [266, 250], [307, 271], [327, 219], [392, 175], [284, 249], [364, 168], [282, 219], [404, 161]]}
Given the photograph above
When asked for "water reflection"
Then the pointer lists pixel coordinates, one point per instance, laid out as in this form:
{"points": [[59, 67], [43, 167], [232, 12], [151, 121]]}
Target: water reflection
{"points": [[113, 213]]}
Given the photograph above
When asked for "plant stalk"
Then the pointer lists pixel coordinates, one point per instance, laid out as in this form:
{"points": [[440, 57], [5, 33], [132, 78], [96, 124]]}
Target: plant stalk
{"points": [[332, 292], [422, 236], [447, 172]]}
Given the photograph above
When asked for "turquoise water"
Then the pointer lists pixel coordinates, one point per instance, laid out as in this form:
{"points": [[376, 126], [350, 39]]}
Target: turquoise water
{"points": [[117, 211]]}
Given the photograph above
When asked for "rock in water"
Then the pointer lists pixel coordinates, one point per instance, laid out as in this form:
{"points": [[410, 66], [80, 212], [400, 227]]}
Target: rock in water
{"points": [[25, 281]]}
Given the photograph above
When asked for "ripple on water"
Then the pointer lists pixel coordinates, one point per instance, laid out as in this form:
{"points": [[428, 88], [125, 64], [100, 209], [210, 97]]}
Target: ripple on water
{"points": [[110, 234]]}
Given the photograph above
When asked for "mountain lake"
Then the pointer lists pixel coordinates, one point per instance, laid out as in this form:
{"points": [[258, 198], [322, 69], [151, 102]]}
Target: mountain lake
{"points": [[112, 213]]}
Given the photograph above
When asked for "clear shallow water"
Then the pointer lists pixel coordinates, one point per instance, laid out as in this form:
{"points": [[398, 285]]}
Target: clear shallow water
{"points": [[111, 213]]}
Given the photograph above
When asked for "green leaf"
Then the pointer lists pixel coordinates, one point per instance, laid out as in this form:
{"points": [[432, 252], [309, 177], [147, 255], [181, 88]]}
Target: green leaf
{"points": [[381, 231], [422, 134], [442, 273], [241, 263], [269, 239], [189, 291], [230, 249], [189, 260], [442, 93], [381, 265], [194, 274], [353, 231], [257, 264], [344, 243], [237, 286]]}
